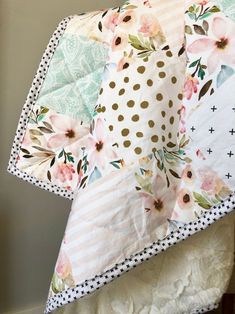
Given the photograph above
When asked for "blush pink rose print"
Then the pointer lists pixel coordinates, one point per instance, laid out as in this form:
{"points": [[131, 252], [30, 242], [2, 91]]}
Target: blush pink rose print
{"points": [[63, 266], [190, 86], [212, 183], [149, 25], [64, 172], [111, 21]]}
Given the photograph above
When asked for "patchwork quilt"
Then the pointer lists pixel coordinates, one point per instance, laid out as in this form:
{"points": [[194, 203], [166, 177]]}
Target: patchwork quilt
{"points": [[131, 115]]}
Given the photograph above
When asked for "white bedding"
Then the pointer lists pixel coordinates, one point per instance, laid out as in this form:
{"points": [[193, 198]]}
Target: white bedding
{"points": [[192, 275]]}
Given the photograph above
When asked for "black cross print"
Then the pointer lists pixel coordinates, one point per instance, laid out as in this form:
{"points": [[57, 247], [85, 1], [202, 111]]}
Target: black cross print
{"points": [[209, 151], [213, 108], [230, 154], [211, 130], [228, 175], [193, 128], [232, 131]]}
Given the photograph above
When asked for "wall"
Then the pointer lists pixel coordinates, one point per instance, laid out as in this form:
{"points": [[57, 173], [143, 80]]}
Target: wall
{"points": [[32, 221]]}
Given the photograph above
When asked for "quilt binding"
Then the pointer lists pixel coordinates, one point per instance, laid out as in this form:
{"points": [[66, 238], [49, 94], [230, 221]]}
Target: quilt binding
{"points": [[183, 232], [26, 110], [67, 296]]}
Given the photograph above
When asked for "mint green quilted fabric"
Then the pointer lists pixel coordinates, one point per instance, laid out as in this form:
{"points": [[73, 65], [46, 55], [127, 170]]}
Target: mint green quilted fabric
{"points": [[228, 7], [72, 83]]}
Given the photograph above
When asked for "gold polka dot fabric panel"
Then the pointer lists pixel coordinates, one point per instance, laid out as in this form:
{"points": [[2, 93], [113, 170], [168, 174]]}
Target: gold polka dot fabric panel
{"points": [[141, 104], [141, 92]]}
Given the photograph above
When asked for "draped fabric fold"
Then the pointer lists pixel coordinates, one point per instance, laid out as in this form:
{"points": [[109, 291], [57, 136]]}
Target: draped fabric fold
{"points": [[131, 114]]}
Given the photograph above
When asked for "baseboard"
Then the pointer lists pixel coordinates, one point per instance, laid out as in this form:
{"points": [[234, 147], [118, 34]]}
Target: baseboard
{"points": [[35, 310]]}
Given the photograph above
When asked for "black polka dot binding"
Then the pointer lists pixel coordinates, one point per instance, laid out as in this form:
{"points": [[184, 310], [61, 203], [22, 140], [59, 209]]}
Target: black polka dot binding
{"points": [[215, 213], [28, 105], [206, 309]]}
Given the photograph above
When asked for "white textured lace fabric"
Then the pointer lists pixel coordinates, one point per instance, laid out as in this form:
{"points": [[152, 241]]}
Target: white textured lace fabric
{"points": [[182, 280]]}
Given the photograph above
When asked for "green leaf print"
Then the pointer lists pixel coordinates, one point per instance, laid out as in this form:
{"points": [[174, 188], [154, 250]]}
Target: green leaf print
{"points": [[199, 12], [199, 70], [57, 284], [146, 46], [116, 163], [214, 9], [188, 30], [204, 16], [202, 201], [166, 159], [144, 183]]}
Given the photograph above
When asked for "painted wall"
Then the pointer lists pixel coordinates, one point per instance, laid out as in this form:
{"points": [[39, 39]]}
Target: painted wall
{"points": [[32, 221]]}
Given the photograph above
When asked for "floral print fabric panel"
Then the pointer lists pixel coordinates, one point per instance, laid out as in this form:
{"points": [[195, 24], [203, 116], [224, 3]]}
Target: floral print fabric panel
{"points": [[62, 131], [175, 176], [148, 55], [210, 37], [63, 150]]}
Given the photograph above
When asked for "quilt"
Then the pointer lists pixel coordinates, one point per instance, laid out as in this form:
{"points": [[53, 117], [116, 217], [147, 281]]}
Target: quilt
{"points": [[131, 115]]}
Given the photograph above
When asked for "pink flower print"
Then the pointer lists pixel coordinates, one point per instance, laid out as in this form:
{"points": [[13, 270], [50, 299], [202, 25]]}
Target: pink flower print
{"points": [[182, 127], [27, 140], [147, 3], [182, 121], [64, 172], [149, 25], [204, 2], [69, 131], [185, 199], [127, 19], [119, 41], [161, 202], [222, 45], [188, 175], [211, 182], [200, 154], [63, 266], [68, 187], [111, 21], [184, 212], [99, 147], [125, 62], [190, 86]]}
